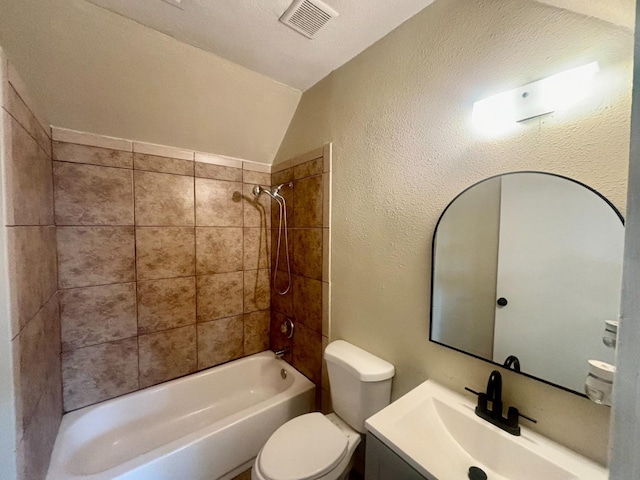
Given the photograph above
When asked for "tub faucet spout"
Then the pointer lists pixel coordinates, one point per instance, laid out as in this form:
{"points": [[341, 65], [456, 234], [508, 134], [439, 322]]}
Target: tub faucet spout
{"points": [[281, 353]]}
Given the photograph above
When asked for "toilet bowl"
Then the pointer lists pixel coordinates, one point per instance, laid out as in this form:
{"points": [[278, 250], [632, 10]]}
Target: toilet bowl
{"points": [[321, 447], [311, 446]]}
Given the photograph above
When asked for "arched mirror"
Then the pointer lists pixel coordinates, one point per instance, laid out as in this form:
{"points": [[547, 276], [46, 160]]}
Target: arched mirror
{"points": [[528, 265]]}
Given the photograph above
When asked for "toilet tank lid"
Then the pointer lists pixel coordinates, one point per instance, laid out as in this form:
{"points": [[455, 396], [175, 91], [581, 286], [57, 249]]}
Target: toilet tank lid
{"points": [[363, 365]]}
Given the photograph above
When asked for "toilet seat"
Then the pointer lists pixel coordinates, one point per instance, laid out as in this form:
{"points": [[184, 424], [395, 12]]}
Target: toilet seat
{"points": [[304, 448]]}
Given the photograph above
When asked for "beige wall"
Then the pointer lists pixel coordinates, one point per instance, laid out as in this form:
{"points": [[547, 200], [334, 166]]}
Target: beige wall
{"points": [[399, 115], [95, 71]]}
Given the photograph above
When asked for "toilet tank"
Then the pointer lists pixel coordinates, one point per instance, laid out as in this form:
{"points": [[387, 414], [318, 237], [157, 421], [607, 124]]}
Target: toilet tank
{"points": [[360, 382]]}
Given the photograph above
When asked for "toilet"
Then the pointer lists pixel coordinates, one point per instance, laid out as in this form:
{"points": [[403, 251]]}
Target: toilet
{"points": [[321, 447]]}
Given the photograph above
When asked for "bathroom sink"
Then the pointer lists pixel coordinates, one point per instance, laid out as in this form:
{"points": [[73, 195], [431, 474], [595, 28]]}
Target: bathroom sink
{"points": [[436, 431]]}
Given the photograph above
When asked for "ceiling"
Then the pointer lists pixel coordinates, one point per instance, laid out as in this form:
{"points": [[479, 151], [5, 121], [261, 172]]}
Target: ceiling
{"points": [[247, 32]]}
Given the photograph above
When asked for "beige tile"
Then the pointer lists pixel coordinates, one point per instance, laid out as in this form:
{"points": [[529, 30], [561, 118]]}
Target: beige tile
{"points": [[326, 254], [218, 250], [256, 332], [307, 169], [97, 373], [91, 195], [95, 256], [153, 163], [307, 353], [282, 303], [167, 355], [162, 150], [36, 353], [163, 199], [280, 166], [257, 295], [307, 201], [219, 296], [261, 178], [28, 180], [19, 110], [33, 269], [166, 304], [325, 402], [287, 193], [91, 139], [327, 157], [106, 157], [256, 167], [307, 157], [218, 172], [257, 248], [35, 447], [326, 309], [93, 315], [307, 302], [218, 203], [165, 252], [257, 210], [277, 339], [220, 341], [283, 176], [307, 252], [325, 372], [220, 160], [326, 199]]}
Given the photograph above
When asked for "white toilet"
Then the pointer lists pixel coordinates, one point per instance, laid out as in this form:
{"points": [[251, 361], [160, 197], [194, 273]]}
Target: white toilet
{"points": [[319, 447]]}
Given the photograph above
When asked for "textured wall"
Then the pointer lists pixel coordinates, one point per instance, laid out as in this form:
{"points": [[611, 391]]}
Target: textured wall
{"points": [[33, 301], [93, 70], [163, 266], [399, 116]]}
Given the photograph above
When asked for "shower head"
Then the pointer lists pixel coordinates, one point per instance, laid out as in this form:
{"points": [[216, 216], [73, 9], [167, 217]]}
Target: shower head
{"points": [[257, 190], [279, 187]]}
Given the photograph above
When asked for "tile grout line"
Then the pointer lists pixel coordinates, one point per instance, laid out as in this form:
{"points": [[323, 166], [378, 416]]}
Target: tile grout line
{"points": [[195, 263], [135, 267]]}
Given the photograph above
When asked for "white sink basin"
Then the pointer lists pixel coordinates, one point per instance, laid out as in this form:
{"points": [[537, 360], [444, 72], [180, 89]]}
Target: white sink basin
{"points": [[438, 433]]}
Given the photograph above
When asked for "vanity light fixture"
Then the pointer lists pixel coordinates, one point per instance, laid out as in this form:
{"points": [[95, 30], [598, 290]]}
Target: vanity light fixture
{"points": [[500, 113]]}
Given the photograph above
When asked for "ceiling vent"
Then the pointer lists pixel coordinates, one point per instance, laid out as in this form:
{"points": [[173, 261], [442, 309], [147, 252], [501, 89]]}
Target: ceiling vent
{"points": [[308, 16]]}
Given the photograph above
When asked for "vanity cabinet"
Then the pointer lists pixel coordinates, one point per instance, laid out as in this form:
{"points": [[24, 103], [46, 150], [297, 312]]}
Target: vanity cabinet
{"points": [[381, 463]]}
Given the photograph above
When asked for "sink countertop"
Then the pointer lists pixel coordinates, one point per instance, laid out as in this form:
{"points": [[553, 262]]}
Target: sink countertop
{"points": [[437, 432]]}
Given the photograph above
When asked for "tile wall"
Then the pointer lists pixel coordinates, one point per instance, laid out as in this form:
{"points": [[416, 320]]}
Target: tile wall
{"points": [[31, 245], [163, 260], [307, 302]]}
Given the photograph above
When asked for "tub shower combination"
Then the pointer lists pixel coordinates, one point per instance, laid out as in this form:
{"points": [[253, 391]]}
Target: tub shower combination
{"points": [[206, 426]]}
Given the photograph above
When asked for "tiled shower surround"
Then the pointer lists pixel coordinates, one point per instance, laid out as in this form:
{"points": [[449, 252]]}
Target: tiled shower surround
{"points": [[31, 245], [163, 265], [307, 302]]}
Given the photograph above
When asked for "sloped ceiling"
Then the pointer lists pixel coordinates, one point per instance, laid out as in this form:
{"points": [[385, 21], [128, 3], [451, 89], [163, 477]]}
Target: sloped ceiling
{"points": [[248, 32], [618, 12]]}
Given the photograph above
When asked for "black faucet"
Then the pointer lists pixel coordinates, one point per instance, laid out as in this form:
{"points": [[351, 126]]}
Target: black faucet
{"points": [[494, 415]]}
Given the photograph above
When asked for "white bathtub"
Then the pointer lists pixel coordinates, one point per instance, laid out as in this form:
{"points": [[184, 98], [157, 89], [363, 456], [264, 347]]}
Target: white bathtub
{"points": [[206, 426]]}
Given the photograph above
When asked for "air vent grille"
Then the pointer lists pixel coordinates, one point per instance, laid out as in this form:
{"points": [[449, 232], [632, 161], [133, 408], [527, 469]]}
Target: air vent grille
{"points": [[308, 16]]}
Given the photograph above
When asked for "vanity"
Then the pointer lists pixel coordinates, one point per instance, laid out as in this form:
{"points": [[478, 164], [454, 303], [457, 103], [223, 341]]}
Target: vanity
{"points": [[434, 433]]}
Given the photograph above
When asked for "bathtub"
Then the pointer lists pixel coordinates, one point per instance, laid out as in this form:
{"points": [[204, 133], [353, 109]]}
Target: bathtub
{"points": [[206, 426]]}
